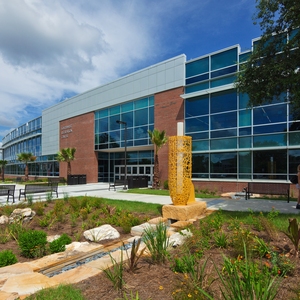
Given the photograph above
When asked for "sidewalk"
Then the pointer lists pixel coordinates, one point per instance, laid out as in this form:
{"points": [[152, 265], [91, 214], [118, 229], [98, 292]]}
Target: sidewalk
{"points": [[101, 190]]}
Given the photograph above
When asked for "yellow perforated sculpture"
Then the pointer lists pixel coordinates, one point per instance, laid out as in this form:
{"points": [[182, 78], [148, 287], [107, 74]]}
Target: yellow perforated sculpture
{"points": [[180, 170]]}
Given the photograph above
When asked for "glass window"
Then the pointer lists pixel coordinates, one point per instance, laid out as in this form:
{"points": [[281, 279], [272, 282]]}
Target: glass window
{"points": [[199, 135], [243, 100], [196, 106], [141, 117], [269, 128], [271, 161], [103, 125], [197, 87], [151, 115], [224, 59], [245, 117], [141, 132], [197, 67], [223, 72], [151, 100], [229, 143], [269, 114], [244, 56], [127, 107], [223, 101], [222, 163], [222, 81], [272, 140], [294, 160], [113, 125], [245, 142], [200, 145], [197, 79], [244, 131], [141, 103], [245, 162], [294, 139], [196, 124], [223, 133], [200, 163], [221, 121], [114, 110], [128, 118]]}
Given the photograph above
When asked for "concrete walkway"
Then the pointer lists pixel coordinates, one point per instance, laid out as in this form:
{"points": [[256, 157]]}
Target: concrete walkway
{"points": [[101, 190]]}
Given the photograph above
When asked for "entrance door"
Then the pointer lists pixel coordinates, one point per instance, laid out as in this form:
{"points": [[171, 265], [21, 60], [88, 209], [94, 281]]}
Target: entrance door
{"points": [[134, 170]]}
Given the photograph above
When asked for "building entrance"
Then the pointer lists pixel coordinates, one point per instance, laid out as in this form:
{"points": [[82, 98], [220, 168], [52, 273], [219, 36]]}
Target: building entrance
{"points": [[133, 170]]}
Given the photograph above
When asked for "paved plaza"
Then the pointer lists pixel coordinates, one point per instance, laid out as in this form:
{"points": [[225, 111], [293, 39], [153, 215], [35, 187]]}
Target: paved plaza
{"points": [[101, 190]]}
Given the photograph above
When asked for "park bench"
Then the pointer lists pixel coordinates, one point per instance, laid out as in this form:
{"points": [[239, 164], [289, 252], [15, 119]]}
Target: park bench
{"points": [[268, 188], [33, 188], [117, 182], [9, 190]]}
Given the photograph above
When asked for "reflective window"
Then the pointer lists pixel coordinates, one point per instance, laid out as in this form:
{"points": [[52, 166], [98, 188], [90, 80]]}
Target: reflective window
{"points": [[127, 107], [141, 117], [222, 163], [222, 81], [229, 143], [225, 120], [245, 142], [224, 59], [272, 140], [196, 106], [269, 128], [243, 100], [223, 72], [197, 79], [141, 103], [223, 133], [200, 163], [196, 124], [245, 117], [245, 131], [114, 110], [269, 114], [197, 87], [128, 118], [294, 139], [200, 145], [245, 162], [197, 67], [223, 101], [199, 135]]}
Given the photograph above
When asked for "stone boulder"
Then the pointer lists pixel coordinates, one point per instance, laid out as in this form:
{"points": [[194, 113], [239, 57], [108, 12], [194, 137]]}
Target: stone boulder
{"points": [[104, 232], [21, 214]]}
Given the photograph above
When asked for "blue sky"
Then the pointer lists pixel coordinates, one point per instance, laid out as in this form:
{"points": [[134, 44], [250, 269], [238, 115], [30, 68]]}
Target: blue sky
{"points": [[53, 49]]}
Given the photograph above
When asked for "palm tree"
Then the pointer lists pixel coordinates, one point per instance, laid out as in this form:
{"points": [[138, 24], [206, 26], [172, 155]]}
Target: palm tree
{"points": [[158, 139], [66, 155], [2, 166], [25, 157]]}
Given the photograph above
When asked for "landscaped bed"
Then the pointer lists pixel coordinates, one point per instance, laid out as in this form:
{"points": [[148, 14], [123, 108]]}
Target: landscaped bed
{"points": [[254, 247]]}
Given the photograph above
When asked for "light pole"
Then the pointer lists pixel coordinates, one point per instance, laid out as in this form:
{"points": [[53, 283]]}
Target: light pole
{"points": [[125, 145]]}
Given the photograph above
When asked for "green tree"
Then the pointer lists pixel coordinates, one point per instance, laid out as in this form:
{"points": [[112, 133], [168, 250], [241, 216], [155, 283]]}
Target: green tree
{"points": [[66, 155], [158, 139], [26, 157], [272, 70], [2, 166]]}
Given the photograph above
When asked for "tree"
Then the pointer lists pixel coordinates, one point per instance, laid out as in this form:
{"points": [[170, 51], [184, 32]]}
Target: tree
{"points": [[273, 69], [158, 139], [26, 157], [66, 155], [2, 166]]}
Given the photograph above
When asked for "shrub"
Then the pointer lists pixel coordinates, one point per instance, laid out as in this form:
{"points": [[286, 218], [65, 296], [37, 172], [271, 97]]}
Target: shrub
{"points": [[7, 258], [59, 245], [32, 243]]}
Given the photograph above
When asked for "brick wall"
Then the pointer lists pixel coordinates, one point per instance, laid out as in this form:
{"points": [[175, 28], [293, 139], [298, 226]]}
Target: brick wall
{"points": [[78, 132], [168, 111]]}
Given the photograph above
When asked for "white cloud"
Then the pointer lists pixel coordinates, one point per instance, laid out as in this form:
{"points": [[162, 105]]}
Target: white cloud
{"points": [[52, 48]]}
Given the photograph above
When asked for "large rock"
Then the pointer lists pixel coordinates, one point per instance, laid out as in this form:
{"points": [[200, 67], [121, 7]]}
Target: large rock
{"points": [[184, 212], [22, 214], [104, 232]]}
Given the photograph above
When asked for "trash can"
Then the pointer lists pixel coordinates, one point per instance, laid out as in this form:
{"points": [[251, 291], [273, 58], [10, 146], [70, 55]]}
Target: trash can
{"points": [[82, 179]]}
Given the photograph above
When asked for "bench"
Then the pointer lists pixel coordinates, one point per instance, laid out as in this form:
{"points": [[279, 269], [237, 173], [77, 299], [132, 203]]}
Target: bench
{"points": [[8, 190], [268, 188], [117, 182], [33, 188]]}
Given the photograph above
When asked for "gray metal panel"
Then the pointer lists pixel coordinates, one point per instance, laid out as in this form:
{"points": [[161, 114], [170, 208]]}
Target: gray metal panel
{"points": [[154, 79]]}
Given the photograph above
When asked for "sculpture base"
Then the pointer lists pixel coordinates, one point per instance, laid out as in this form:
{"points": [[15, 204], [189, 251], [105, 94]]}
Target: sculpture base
{"points": [[184, 212]]}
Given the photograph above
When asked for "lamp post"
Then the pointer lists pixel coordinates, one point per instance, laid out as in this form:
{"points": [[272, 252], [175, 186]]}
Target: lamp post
{"points": [[125, 145]]}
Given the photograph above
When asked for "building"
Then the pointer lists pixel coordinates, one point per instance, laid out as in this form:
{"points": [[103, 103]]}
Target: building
{"points": [[231, 143]]}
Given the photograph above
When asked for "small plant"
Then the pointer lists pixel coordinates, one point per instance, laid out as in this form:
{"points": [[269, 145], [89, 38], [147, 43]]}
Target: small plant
{"points": [[135, 255], [66, 197], [260, 247], [32, 243], [30, 199], [184, 264], [49, 197], [115, 273], [7, 258], [157, 242], [221, 239], [131, 296], [59, 245], [166, 184], [294, 234]]}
